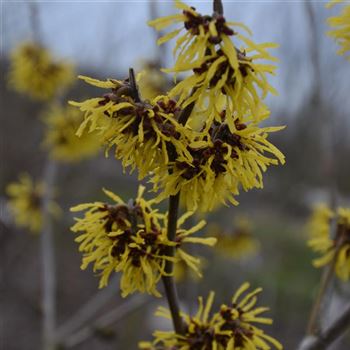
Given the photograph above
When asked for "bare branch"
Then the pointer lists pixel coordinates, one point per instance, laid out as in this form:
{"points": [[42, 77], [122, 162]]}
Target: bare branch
{"points": [[105, 321], [48, 260], [329, 335], [88, 310]]}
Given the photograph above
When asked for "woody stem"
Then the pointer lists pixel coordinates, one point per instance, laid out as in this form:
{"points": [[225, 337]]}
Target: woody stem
{"points": [[168, 281]]}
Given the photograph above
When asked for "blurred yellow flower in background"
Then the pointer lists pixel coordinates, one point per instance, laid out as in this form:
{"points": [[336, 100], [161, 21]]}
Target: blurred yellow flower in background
{"points": [[132, 239], [340, 31], [60, 135], [238, 243], [25, 202], [334, 248], [34, 72], [151, 81], [232, 327]]}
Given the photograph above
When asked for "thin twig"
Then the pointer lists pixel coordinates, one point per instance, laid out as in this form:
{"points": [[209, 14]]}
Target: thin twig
{"points": [[48, 259], [132, 81], [329, 335], [34, 21], [217, 7], [87, 311], [326, 278], [105, 321]]}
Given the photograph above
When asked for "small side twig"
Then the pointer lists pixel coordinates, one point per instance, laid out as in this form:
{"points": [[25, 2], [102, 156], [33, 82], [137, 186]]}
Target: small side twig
{"points": [[132, 81]]}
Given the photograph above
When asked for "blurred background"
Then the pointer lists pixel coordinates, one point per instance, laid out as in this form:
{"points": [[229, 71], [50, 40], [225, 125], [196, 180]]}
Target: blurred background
{"points": [[103, 39]]}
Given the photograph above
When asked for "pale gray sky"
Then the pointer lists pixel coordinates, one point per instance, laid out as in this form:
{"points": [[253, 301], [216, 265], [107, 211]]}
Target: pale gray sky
{"points": [[109, 36]]}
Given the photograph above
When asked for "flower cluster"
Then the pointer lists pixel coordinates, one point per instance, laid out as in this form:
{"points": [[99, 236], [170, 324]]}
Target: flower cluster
{"points": [[341, 29], [139, 131], [203, 139], [334, 248], [223, 162], [221, 71], [232, 327], [132, 239], [229, 149], [61, 139], [35, 73], [238, 244], [25, 202]]}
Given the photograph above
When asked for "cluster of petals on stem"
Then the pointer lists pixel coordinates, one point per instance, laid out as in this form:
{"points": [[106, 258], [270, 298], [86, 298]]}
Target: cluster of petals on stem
{"points": [[140, 132], [218, 67], [334, 247], [223, 162], [131, 238], [233, 326]]}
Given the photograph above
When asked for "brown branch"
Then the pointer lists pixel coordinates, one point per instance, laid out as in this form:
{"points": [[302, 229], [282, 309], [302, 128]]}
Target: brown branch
{"points": [[329, 335], [168, 281]]}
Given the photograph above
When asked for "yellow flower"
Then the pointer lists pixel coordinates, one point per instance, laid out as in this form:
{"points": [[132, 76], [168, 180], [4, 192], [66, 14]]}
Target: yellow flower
{"points": [[183, 273], [141, 132], [61, 139], [222, 163], [151, 81], [341, 29], [25, 201], [334, 250], [238, 244], [132, 239], [221, 70], [34, 72], [233, 327]]}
